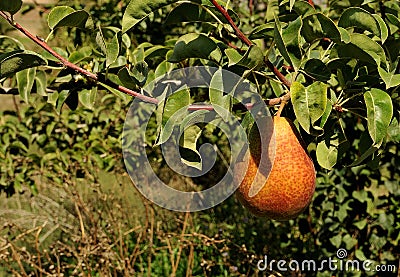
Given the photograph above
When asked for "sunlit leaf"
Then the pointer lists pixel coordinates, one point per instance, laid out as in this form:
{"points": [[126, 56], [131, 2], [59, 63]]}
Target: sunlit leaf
{"points": [[390, 78], [379, 113], [88, 97], [195, 46], [12, 62], [318, 26], [138, 10], [309, 104], [359, 18], [25, 80], [64, 16], [112, 49], [194, 12]]}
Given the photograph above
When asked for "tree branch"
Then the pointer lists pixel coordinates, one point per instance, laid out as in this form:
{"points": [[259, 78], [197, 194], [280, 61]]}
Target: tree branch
{"points": [[248, 42], [94, 77], [90, 75], [238, 32]]}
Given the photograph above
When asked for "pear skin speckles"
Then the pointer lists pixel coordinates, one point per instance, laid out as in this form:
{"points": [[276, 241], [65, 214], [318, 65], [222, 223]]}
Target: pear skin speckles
{"points": [[288, 188]]}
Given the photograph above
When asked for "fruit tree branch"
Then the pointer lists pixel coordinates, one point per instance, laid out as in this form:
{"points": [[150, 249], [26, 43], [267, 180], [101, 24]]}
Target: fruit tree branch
{"points": [[248, 42], [94, 77], [90, 75]]}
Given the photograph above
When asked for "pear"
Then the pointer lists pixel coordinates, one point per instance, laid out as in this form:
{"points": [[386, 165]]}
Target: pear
{"points": [[279, 181]]}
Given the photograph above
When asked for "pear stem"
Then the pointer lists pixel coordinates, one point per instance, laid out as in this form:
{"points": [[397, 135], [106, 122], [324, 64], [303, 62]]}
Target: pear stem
{"points": [[284, 99]]}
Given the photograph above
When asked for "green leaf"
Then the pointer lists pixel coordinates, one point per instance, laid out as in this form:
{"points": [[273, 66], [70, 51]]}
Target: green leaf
{"points": [[327, 113], [62, 97], [291, 4], [116, 92], [25, 80], [361, 195], [272, 10], [371, 150], [112, 49], [342, 212], [327, 155], [52, 99], [363, 48], [156, 51], [359, 18], [137, 76], [80, 55], [12, 62], [318, 26], [222, 103], [18, 144], [349, 241], [291, 38], [173, 113], [9, 44], [88, 97], [394, 131], [194, 12], [344, 35], [263, 31], [316, 69], [336, 240], [280, 42], [331, 149], [175, 102], [64, 16], [360, 255], [189, 141], [383, 27], [390, 79], [11, 6], [379, 113], [303, 8], [361, 224], [309, 104], [137, 10], [41, 83], [163, 68], [233, 56], [100, 41], [253, 58], [195, 46]]}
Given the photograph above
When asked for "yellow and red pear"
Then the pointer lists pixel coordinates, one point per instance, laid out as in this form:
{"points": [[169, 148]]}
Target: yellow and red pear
{"points": [[279, 181]]}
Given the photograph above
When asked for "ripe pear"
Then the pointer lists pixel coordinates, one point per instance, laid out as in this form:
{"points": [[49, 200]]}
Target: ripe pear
{"points": [[279, 180]]}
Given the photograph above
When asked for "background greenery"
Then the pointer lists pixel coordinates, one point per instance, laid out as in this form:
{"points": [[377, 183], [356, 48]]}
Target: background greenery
{"points": [[67, 204]]}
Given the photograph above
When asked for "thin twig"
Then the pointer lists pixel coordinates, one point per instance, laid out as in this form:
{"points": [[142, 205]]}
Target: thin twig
{"points": [[251, 6], [238, 32]]}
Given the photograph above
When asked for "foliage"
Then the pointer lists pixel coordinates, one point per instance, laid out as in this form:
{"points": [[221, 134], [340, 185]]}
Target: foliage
{"points": [[341, 60]]}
